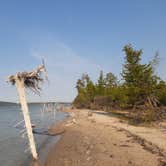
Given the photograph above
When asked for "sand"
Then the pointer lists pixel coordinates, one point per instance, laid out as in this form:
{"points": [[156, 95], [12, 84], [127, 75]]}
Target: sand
{"points": [[99, 140]]}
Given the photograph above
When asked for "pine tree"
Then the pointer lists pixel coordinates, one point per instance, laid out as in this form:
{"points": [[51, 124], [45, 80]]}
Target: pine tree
{"points": [[140, 79], [100, 86]]}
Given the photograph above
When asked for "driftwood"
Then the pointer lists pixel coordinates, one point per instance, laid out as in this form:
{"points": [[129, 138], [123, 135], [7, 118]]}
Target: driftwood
{"points": [[29, 80]]}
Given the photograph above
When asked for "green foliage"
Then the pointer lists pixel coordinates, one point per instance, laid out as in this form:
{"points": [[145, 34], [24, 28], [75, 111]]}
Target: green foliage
{"points": [[100, 86], [139, 78], [140, 85], [161, 93], [86, 91]]}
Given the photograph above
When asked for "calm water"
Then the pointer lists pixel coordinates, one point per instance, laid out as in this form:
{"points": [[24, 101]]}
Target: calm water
{"points": [[13, 145]]}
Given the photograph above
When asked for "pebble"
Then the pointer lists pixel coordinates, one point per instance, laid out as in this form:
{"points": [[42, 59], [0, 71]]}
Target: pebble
{"points": [[88, 152]]}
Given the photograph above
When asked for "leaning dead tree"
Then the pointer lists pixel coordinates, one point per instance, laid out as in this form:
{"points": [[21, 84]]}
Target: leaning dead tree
{"points": [[30, 80]]}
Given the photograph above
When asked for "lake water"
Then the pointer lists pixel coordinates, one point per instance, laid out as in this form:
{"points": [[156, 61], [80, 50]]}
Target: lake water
{"points": [[13, 144]]}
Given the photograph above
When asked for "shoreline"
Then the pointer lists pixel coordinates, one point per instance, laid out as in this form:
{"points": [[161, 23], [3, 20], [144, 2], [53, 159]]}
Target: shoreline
{"points": [[96, 139], [42, 152], [55, 130]]}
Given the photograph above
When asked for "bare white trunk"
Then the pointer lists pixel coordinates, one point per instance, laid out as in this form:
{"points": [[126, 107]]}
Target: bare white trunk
{"points": [[21, 92]]}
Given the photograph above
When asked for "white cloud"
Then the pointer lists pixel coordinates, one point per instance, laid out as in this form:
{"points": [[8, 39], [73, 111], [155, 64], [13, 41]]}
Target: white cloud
{"points": [[64, 67]]}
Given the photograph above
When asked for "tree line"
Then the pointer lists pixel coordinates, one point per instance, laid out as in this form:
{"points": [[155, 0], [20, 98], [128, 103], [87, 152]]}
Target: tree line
{"points": [[139, 86]]}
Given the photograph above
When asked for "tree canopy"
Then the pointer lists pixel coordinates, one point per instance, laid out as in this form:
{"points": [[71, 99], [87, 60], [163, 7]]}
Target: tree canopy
{"points": [[139, 85]]}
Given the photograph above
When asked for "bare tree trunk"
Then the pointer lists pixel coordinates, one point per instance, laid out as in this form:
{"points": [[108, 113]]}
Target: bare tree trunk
{"points": [[21, 92]]}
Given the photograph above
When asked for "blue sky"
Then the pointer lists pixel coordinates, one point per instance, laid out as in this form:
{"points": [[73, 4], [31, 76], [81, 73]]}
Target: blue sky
{"points": [[76, 36]]}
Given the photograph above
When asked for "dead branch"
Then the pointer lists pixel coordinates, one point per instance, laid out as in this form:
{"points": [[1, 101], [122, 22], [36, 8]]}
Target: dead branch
{"points": [[31, 79]]}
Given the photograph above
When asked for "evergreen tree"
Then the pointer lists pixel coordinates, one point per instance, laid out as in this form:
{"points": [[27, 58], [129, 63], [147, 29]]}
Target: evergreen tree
{"points": [[140, 79], [111, 80], [140, 86], [86, 91], [161, 92], [100, 86]]}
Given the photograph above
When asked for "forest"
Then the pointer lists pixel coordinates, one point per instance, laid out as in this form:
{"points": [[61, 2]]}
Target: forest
{"points": [[140, 91]]}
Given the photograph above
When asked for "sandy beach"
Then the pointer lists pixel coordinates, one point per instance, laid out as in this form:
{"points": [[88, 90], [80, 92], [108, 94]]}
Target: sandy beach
{"points": [[98, 139]]}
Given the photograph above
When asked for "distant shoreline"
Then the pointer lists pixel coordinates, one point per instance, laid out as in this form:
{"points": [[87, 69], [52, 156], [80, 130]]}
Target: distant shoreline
{"points": [[5, 103]]}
